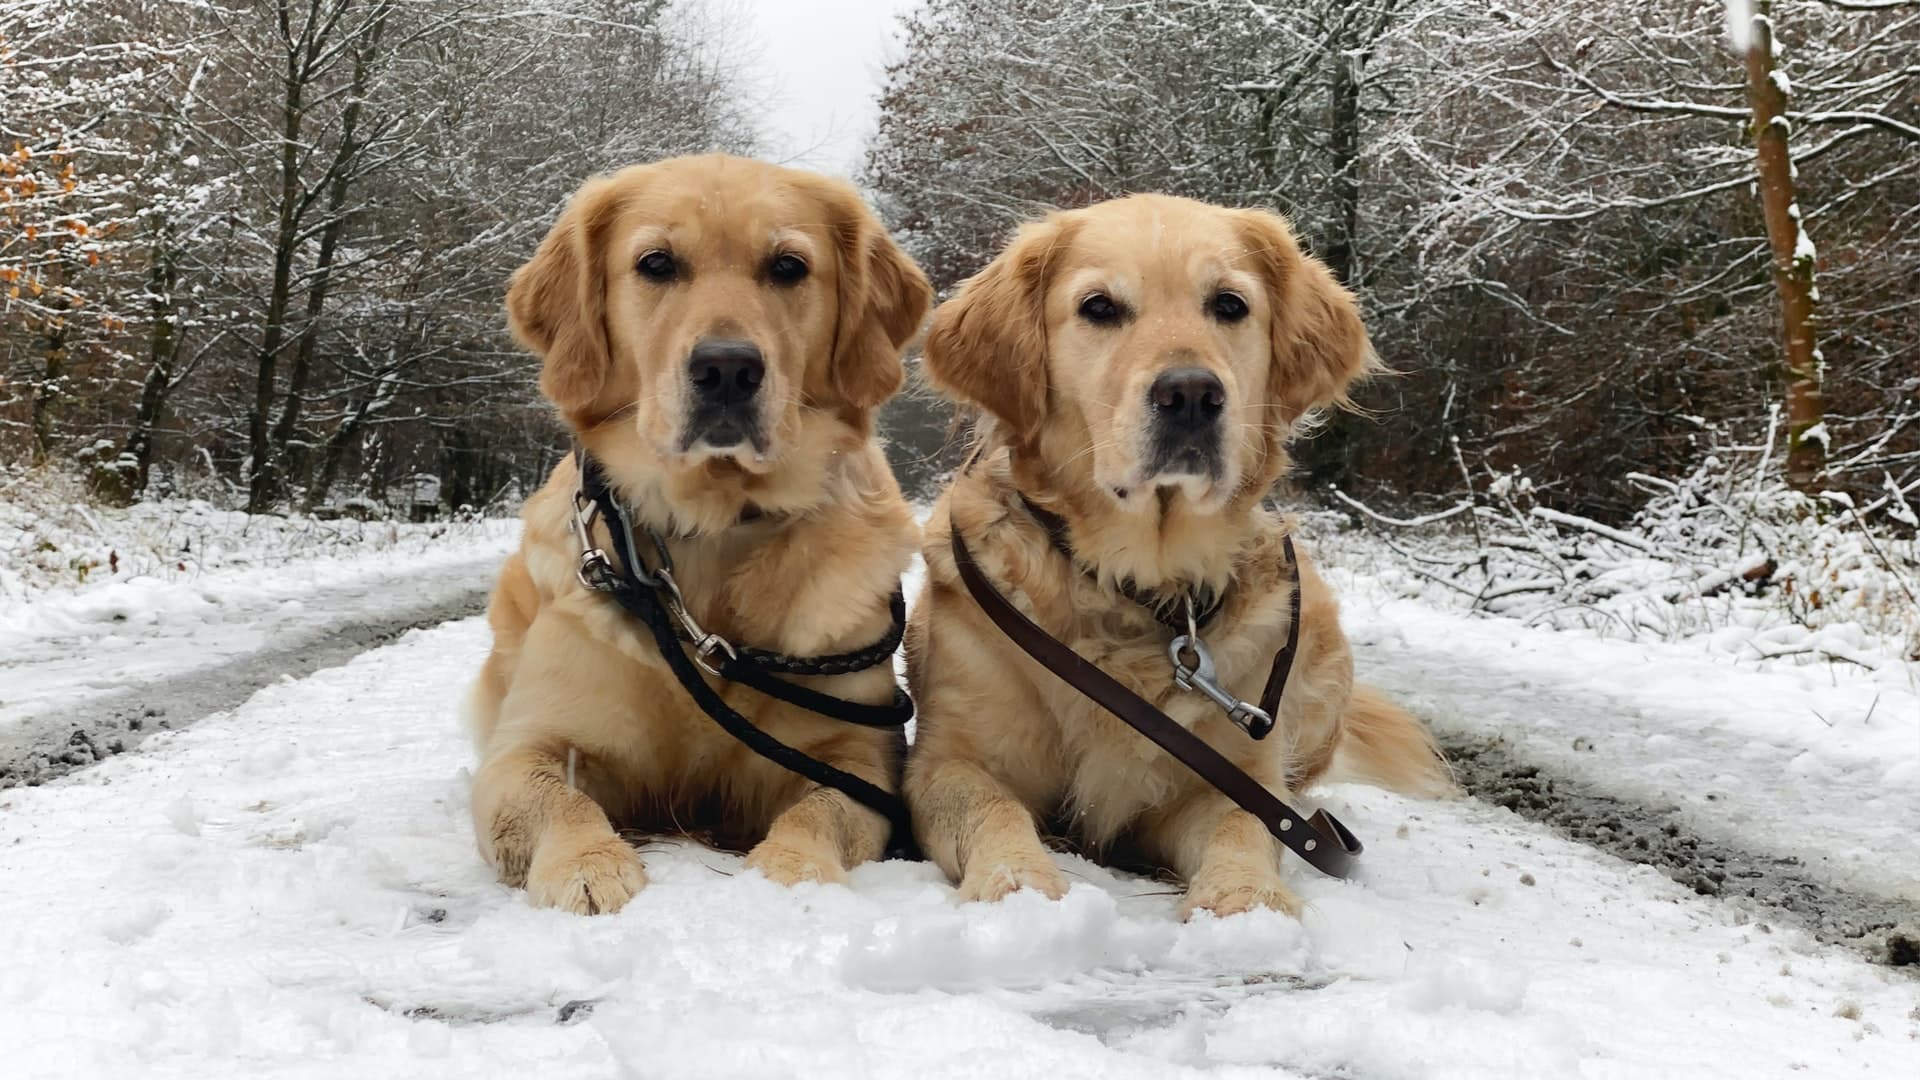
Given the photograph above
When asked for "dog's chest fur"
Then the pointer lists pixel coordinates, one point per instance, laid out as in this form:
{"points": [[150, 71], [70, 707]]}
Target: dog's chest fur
{"points": [[1116, 775], [802, 587]]}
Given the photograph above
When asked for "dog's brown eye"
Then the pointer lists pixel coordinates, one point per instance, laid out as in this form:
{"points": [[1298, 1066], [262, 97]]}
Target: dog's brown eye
{"points": [[656, 266], [1229, 307], [787, 269], [1100, 309]]}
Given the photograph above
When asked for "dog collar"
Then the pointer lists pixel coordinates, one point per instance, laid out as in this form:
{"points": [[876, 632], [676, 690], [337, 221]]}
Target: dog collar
{"points": [[1177, 611]]}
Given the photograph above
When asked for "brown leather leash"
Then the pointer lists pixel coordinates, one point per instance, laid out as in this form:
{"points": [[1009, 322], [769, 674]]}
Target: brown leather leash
{"points": [[1320, 840]]}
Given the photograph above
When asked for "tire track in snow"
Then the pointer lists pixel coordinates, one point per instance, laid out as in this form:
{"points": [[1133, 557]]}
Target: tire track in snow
{"points": [[1885, 930], [1489, 720], [51, 744]]}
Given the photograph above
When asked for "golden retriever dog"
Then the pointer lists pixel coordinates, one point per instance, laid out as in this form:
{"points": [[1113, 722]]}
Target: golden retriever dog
{"points": [[1140, 365], [716, 333]]}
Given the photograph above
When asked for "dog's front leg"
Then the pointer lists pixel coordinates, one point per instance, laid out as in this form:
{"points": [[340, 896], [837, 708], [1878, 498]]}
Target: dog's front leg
{"points": [[1226, 856], [538, 831], [533, 816], [825, 832], [978, 831]]}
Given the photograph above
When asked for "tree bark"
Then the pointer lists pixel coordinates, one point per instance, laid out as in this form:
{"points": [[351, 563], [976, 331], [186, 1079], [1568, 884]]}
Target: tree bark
{"points": [[1794, 259]]}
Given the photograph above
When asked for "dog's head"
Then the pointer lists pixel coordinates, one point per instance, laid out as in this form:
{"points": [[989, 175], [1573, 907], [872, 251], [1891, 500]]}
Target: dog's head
{"points": [[717, 303], [1154, 345]]}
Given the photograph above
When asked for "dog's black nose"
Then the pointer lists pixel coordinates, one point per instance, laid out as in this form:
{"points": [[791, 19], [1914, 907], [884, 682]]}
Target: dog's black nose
{"points": [[1188, 399], [725, 371]]}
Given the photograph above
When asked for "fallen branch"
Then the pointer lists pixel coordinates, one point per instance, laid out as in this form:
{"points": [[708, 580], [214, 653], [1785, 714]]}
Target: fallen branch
{"points": [[1401, 523], [1575, 521]]}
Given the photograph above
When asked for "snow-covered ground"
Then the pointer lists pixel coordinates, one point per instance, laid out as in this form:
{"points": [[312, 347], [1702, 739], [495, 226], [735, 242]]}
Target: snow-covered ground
{"points": [[291, 889]]}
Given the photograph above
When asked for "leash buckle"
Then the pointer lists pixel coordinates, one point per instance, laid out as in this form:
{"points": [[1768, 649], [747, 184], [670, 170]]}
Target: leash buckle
{"points": [[704, 650], [595, 570], [705, 645], [1200, 676]]}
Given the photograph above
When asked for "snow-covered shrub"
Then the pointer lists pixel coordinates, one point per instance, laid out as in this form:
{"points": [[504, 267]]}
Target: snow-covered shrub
{"points": [[1726, 553]]}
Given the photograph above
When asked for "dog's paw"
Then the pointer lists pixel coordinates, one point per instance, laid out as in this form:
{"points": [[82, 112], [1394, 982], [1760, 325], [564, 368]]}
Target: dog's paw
{"points": [[784, 864], [1000, 880], [1232, 894], [594, 878]]}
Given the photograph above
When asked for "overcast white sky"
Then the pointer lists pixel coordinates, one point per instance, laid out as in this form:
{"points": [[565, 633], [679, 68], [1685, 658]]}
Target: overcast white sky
{"points": [[820, 65]]}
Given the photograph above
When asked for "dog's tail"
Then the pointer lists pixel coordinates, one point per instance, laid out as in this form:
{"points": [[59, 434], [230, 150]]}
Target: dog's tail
{"points": [[1387, 746]]}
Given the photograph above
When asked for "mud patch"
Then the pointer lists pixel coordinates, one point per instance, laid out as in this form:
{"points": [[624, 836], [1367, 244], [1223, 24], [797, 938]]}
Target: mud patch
{"points": [[1886, 931]]}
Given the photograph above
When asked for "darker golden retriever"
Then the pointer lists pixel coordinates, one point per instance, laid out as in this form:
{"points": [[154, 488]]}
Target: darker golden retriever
{"points": [[717, 333], [1141, 365]]}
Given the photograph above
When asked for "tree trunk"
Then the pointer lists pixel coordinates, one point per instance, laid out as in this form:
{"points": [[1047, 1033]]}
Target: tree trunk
{"points": [[1341, 441], [1793, 259], [339, 181], [334, 451], [262, 481], [47, 395], [1343, 143], [163, 350]]}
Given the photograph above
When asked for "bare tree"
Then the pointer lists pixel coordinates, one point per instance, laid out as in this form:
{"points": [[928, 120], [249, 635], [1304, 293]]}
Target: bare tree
{"points": [[1794, 256], [272, 235]]}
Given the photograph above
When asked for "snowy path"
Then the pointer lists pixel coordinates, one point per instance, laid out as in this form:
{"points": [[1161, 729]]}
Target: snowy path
{"points": [[58, 649], [115, 660], [1811, 764], [291, 889]]}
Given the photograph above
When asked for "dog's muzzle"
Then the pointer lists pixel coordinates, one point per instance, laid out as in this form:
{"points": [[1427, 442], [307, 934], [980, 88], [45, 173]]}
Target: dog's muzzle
{"points": [[725, 375], [1186, 405]]}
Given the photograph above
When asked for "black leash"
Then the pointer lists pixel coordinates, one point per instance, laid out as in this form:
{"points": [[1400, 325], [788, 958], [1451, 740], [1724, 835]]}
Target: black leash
{"points": [[654, 598]]}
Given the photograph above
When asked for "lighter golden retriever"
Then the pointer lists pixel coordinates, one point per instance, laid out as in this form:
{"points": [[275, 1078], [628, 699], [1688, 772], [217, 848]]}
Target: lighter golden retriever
{"points": [[1141, 364], [717, 333]]}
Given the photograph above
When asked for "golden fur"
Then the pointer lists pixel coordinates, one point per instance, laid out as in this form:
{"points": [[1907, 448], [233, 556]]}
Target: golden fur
{"points": [[571, 674], [1003, 744]]}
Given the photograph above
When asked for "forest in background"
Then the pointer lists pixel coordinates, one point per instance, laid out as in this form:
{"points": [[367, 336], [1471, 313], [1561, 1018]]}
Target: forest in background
{"points": [[259, 247], [1549, 210], [265, 241]]}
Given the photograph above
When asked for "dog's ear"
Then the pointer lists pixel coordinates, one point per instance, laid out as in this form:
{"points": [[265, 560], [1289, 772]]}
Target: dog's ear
{"points": [[883, 299], [1320, 346], [988, 344], [557, 301]]}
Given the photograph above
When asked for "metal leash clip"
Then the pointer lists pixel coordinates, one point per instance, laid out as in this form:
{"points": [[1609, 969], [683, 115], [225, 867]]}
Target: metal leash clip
{"points": [[595, 570], [705, 645], [1200, 676]]}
